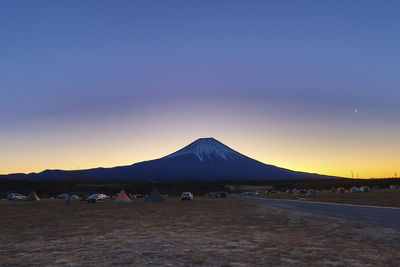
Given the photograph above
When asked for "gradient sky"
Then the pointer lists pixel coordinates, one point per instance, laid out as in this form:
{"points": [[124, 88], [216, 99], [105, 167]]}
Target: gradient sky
{"points": [[104, 83]]}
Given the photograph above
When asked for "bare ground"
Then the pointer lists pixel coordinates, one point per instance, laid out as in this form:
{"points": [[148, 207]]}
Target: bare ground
{"points": [[382, 197], [203, 232]]}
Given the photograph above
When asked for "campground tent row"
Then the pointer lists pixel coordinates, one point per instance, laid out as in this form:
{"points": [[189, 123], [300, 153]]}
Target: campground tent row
{"points": [[154, 196]]}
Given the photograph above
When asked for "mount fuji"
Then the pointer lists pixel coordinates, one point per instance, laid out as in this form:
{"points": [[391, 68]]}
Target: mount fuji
{"points": [[204, 159]]}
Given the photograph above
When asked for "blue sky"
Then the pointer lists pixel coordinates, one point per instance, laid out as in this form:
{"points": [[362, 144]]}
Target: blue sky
{"points": [[299, 66]]}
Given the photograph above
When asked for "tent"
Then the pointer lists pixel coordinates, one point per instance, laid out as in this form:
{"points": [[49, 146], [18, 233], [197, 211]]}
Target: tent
{"points": [[33, 197], [63, 196], [341, 190], [123, 197], [154, 196]]}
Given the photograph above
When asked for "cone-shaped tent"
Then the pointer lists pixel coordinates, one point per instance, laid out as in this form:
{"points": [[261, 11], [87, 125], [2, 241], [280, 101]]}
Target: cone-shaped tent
{"points": [[154, 196], [33, 197], [122, 197]]}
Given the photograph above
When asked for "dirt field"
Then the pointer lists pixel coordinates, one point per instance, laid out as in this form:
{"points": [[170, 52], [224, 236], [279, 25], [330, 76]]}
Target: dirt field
{"points": [[382, 197], [203, 232]]}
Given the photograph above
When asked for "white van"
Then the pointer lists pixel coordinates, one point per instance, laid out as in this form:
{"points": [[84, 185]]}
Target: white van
{"points": [[16, 196]]}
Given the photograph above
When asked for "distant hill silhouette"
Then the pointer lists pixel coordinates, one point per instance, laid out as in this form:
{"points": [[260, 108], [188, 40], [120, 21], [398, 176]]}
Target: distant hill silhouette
{"points": [[205, 159]]}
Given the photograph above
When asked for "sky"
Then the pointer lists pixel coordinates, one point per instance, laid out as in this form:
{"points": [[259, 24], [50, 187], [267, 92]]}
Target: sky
{"points": [[306, 85]]}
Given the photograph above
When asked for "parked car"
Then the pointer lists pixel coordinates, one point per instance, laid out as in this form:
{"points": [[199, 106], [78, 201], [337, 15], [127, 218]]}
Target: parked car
{"points": [[365, 188], [96, 197], [186, 196], [354, 190], [16, 196]]}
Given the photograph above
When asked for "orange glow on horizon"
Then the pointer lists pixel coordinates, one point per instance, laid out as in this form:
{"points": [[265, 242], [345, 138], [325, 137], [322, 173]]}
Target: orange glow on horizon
{"points": [[322, 149]]}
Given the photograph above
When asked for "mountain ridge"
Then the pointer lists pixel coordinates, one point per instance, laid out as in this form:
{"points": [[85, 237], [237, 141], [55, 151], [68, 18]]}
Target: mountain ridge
{"points": [[204, 159]]}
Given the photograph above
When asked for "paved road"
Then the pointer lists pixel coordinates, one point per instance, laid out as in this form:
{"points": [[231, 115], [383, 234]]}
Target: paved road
{"points": [[389, 217]]}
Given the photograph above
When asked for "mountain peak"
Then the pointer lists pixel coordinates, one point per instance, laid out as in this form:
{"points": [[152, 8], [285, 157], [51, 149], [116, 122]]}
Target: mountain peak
{"points": [[206, 140], [207, 148]]}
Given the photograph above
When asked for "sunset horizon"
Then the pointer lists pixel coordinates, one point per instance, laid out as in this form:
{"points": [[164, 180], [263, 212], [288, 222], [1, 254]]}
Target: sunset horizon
{"points": [[305, 86], [353, 173]]}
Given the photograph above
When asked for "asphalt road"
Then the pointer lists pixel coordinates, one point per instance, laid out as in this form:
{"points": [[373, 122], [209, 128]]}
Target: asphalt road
{"points": [[388, 217]]}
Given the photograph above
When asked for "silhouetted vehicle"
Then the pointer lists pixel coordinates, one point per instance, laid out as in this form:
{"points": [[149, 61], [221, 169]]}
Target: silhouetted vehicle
{"points": [[186, 196], [96, 197], [16, 196]]}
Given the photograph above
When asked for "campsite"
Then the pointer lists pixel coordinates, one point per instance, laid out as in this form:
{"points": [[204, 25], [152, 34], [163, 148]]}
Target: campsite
{"points": [[202, 232], [151, 228]]}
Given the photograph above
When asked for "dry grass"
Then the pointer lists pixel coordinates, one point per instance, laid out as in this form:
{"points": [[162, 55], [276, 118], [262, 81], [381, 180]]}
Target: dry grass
{"points": [[204, 232], [383, 197]]}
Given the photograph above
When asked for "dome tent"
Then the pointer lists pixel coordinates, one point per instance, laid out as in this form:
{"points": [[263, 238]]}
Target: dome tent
{"points": [[33, 197], [154, 196], [123, 197]]}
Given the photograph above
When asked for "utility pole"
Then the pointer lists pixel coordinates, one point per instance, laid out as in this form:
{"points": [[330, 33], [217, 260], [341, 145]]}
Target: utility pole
{"points": [[352, 174], [357, 175], [395, 175]]}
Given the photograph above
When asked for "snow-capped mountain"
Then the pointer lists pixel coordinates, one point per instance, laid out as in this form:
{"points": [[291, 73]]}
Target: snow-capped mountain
{"points": [[205, 159], [207, 148]]}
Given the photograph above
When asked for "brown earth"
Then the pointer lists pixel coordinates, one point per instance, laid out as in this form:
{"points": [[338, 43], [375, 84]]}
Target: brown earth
{"points": [[382, 197], [203, 232]]}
